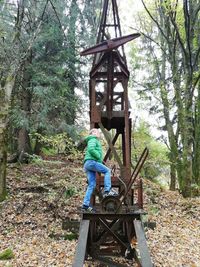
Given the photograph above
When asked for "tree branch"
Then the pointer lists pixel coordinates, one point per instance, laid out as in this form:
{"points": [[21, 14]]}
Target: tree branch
{"points": [[156, 22], [196, 57], [187, 30], [58, 18], [149, 38], [178, 35], [196, 13], [32, 40], [196, 81]]}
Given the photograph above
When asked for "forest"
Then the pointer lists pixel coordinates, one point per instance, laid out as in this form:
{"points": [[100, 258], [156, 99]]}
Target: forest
{"points": [[44, 106]]}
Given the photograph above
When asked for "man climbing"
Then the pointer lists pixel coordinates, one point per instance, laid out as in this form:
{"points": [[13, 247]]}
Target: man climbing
{"points": [[92, 164]]}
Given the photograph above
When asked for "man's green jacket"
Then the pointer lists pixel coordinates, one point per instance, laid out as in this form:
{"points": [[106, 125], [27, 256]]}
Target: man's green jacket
{"points": [[94, 149]]}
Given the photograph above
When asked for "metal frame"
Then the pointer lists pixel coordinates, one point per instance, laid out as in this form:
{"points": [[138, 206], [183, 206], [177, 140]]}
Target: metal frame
{"points": [[113, 233]]}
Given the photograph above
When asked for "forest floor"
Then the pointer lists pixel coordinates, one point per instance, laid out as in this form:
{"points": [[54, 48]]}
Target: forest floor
{"points": [[44, 193]]}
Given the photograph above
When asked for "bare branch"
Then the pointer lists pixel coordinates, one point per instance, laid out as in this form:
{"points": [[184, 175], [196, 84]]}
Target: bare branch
{"points": [[187, 30], [196, 13], [196, 57], [32, 40], [149, 38], [156, 22], [58, 18], [178, 36], [195, 83]]}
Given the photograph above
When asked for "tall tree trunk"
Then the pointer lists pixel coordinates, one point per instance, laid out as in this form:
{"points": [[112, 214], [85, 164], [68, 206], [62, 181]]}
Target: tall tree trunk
{"points": [[196, 156], [3, 159], [5, 93], [161, 71], [72, 61], [25, 95], [187, 137]]}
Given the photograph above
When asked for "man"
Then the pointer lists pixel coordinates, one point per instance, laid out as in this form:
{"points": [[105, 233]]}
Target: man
{"points": [[92, 164]]}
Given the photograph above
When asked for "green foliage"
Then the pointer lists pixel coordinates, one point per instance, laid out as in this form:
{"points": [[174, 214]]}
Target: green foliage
{"points": [[19, 118], [7, 254], [169, 49], [157, 159], [3, 196], [154, 210], [36, 159], [53, 69], [91, 14], [48, 151], [59, 143], [69, 192], [67, 236], [195, 190], [70, 236]]}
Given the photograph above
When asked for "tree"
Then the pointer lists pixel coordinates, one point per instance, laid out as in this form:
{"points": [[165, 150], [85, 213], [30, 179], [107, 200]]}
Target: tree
{"points": [[41, 69], [5, 93], [7, 80], [13, 59], [174, 73], [54, 72]]}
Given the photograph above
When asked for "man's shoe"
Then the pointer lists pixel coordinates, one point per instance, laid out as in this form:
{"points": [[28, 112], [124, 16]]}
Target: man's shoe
{"points": [[88, 209], [112, 193]]}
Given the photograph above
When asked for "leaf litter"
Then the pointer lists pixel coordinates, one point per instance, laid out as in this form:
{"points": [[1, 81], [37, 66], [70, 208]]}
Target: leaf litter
{"points": [[42, 195]]}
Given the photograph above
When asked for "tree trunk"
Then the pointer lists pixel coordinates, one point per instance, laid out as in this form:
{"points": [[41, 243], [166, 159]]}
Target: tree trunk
{"points": [[25, 95], [5, 93], [24, 145], [72, 62], [196, 157], [172, 185], [3, 158], [187, 138], [185, 185], [38, 146]]}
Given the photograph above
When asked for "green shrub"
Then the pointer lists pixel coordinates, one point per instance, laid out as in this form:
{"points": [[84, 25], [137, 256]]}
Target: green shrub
{"points": [[7, 254], [70, 192], [59, 143], [195, 190]]}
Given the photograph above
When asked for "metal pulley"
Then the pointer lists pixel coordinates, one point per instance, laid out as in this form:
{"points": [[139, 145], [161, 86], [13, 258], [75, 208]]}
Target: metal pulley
{"points": [[111, 204]]}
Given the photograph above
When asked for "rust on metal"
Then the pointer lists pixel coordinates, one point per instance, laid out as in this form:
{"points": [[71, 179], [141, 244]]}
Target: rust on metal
{"points": [[109, 44], [112, 228]]}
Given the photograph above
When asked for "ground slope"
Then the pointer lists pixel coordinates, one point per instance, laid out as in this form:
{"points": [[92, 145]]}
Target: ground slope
{"points": [[44, 193]]}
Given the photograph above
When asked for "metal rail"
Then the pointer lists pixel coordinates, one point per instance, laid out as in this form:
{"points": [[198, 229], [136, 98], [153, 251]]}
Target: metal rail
{"points": [[82, 243], [142, 245]]}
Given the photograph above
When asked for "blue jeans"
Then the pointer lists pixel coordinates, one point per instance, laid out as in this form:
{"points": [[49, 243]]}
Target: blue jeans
{"points": [[91, 167]]}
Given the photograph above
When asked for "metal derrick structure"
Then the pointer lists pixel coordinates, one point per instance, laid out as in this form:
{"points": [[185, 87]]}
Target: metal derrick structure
{"points": [[116, 227]]}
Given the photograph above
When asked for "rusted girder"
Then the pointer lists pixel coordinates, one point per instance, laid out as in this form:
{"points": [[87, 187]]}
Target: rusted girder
{"points": [[109, 44]]}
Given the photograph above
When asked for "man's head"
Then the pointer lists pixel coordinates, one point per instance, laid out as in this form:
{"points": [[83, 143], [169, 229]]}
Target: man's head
{"points": [[95, 132]]}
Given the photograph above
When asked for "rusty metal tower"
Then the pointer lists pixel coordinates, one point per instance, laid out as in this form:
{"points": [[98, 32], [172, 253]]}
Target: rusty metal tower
{"points": [[116, 226], [109, 105]]}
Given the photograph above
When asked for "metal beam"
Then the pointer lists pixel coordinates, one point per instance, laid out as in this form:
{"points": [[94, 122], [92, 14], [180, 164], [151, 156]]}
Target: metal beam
{"points": [[109, 44], [135, 173], [142, 245], [116, 156], [82, 243], [109, 230]]}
